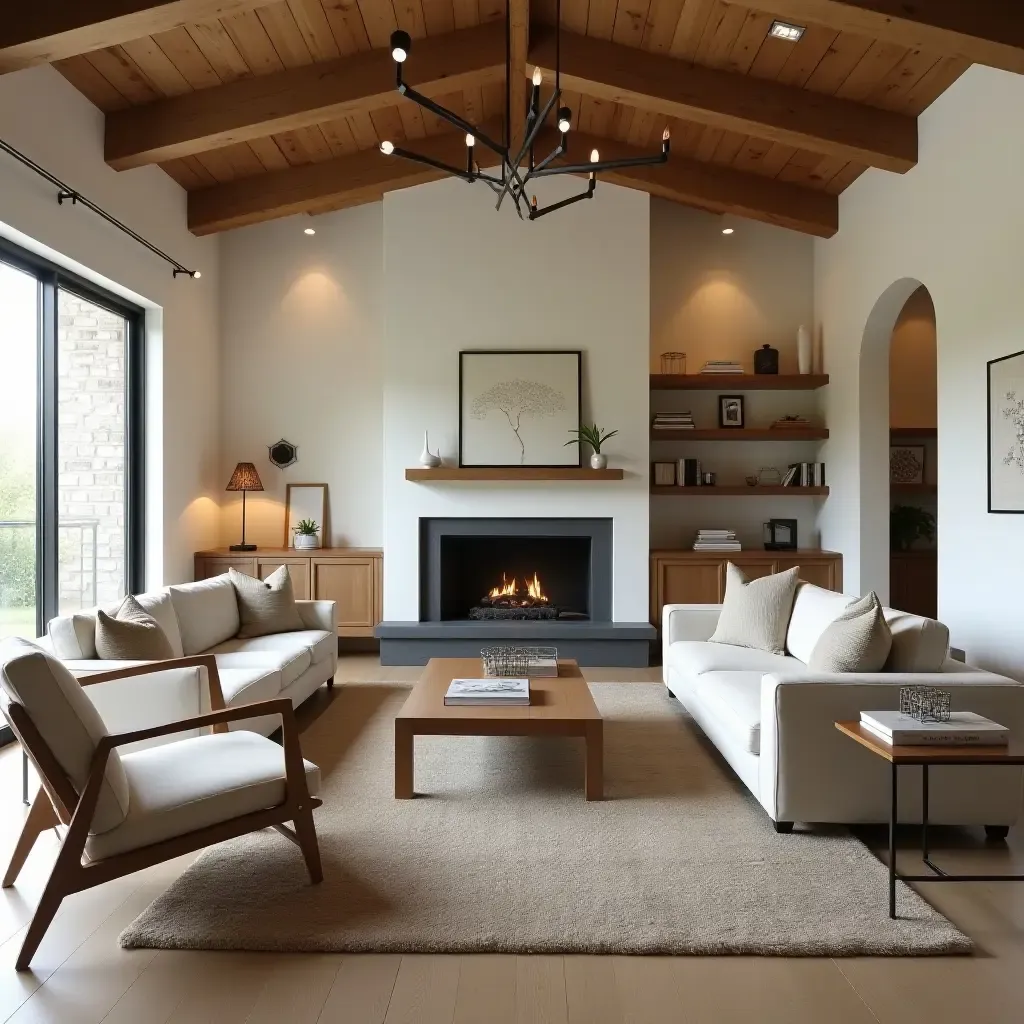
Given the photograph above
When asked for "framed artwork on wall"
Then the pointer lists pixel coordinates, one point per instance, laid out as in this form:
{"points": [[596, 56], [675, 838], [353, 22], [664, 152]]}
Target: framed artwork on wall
{"points": [[906, 463], [517, 408], [305, 502], [1006, 434]]}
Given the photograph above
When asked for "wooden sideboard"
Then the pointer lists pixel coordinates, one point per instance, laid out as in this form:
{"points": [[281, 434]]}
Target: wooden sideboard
{"points": [[914, 582], [353, 577], [698, 577]]}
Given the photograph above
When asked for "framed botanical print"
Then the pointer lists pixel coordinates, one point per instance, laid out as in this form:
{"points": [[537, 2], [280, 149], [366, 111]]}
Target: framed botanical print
{"points": [[517, 408], [1006, 434]]}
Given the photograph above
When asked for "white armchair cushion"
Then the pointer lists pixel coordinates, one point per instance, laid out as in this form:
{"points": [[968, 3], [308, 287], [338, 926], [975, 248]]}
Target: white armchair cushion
{"points": [[181, 787], [207, 612], [693, 657], [67, 721]]}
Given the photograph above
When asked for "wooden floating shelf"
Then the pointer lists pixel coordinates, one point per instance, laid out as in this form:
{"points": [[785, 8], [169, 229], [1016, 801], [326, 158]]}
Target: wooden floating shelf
{"points": [[510, 474], [900, 433], [727, 382], [914, 488], [748, 434], [714, 491]]}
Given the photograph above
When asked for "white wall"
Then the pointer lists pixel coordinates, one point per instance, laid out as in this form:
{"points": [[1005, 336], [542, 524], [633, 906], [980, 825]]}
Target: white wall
{"points": [[953, 224], [45, 117], [301, 361], [458, 275], [716, 296]]}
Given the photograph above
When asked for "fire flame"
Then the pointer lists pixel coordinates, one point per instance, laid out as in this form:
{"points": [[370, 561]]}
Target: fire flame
{"points": [[510, 588]]}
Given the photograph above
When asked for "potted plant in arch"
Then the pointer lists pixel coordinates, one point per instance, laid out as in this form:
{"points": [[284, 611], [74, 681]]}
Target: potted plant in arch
{"points": [[595, 437], [306, 534], [907, 524]]}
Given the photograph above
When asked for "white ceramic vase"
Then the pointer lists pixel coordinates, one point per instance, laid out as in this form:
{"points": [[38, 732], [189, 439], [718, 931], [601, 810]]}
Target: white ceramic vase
{"points": [[803, 349], [427, 459], [598, 461]]}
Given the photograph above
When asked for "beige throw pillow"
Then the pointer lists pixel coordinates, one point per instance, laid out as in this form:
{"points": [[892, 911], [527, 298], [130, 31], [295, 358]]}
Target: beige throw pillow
{"points": [[756, 613], [131, 634], [266, 606], [858, 641]]}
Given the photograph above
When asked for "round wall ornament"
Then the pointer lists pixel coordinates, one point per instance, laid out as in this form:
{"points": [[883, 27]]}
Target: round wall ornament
{"points": [[283, 453]]}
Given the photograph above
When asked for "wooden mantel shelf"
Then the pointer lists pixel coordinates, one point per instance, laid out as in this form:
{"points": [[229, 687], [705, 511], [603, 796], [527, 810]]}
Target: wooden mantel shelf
{"points": [[510, 474], [728, 382]]}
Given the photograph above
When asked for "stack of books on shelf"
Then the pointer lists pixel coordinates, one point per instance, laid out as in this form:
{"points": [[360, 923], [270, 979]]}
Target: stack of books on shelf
{"points": [[673, 421], [491, 692], [716, 540], [791, 423], [721, 366], [964, 729], [805, 474], [688, 473]]}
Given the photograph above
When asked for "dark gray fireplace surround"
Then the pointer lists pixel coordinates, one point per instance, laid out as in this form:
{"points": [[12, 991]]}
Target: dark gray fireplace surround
{"points": [[461, 559]]}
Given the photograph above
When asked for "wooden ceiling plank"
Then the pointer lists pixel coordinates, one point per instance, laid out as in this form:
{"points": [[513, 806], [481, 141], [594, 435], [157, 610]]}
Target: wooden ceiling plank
{"points": [[311, 21], [339, 136], [347, 25], [807, 54], [268, 153], [219, 49], [42, 31], [466, 13], [749, 41], [519, 45], [574, 15], [891, 93], [816, 175], [782, 113], [601, 18], [412, 119], [880, 59], [720, 35], [662, 19], [182, 52], [845, 178], [358, 178], [183, 174], [728, 147], [934, 84], [983, 31], [117, 67], [844, 54], [246, 31], [296, 98], [491, 10], [156, 66], [91, 83], [690, 28], [439, 16], [284, 33], [363, 131], [630, 22], [379, 19], [409, 15]]}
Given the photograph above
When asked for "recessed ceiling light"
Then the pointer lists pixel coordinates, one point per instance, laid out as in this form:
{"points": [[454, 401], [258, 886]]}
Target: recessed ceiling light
{"points": [[727, 231], [309, 231], [785, 30]]}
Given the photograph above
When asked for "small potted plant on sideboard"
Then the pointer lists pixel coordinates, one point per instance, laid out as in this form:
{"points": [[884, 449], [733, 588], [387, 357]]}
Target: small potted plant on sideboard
{"points": [[306, 534]]}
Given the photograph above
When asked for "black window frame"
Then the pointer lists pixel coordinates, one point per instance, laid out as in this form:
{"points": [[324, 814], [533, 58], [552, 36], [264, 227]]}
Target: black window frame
{"points": [[51, 279]]}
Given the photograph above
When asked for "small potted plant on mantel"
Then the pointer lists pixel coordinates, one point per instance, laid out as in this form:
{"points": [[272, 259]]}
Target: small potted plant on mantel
{"points": [[306, 534], [595, 437]]}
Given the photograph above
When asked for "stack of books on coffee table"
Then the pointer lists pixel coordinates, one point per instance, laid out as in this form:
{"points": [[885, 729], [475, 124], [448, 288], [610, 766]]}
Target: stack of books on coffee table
{"points": [[493, 692], [963, 729]]}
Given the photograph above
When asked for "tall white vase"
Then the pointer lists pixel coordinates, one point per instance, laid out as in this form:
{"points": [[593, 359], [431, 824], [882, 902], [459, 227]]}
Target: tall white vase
{"points": [[803, 349]]}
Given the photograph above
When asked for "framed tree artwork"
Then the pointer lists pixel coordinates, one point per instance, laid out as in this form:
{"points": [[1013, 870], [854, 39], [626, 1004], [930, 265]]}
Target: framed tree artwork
{"points": [[517, 408], [1006, 434]]}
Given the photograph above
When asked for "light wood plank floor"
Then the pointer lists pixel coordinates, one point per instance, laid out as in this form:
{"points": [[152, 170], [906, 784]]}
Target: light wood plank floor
{"points": [[81, 975]]}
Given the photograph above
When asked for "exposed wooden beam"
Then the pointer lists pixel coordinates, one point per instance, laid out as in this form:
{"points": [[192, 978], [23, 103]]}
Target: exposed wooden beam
{"points": [[980, 31], [739, 103], [519, 43], [711, 186], [345, 181], [40, 31], [252, 108]]}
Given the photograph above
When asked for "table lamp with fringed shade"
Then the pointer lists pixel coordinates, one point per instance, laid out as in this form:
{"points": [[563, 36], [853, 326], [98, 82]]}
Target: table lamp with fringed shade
{"points": [[245, 478]]}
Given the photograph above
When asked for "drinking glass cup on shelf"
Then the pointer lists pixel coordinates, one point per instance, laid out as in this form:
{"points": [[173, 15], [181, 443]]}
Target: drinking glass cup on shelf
{"points": [[673, 362]]}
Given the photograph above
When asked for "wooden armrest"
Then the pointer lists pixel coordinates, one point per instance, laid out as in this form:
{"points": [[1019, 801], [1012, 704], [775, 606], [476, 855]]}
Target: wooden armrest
{"points": [[207, 661]]}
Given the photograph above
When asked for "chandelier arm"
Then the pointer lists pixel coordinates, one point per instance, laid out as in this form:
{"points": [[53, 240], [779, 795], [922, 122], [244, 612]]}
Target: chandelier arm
{"points": [[453, 119], [528, 141], [511, 177], [603, 165], [558, 151], [589, 194], [431, 162]]}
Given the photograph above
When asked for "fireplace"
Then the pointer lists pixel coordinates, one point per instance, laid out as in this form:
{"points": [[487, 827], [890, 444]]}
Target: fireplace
{"points": [[515, 570]]}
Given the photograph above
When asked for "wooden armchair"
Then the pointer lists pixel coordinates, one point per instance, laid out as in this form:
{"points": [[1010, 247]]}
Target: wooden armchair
{"points": [[126, 812]]}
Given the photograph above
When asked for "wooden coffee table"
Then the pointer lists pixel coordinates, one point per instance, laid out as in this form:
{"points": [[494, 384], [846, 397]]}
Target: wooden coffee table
{"points": [[559, 706]]}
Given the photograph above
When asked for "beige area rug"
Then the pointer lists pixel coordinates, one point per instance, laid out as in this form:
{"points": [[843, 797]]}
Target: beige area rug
{"points": [[504, 854]]}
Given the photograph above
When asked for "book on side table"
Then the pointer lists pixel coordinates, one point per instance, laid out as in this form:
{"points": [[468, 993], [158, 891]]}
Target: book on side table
{"points": [[964, 729], [494, 692]]}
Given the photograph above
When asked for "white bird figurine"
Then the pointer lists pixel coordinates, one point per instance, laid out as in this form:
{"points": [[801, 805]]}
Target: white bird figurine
{"points": [[427, 458]]}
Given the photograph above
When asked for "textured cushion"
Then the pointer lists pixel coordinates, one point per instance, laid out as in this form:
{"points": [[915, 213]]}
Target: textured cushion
{"points": [[265, 606], [694, 657], [814, 609], [320, 644], [734, 698], [158, 604], [918, 644], [180, 787], [755, 613], [67, 721], [207, 612], [858, 641], [132, 634]]}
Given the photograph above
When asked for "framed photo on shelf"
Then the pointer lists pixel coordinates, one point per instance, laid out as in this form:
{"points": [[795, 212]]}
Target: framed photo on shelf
{"points": [[730, 411], [517, 408], [906, 463], [1006, 434]]}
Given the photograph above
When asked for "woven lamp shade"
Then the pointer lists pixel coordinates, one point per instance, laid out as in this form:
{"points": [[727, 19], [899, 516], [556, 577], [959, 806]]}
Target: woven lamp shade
{"points": [[245, 478]]}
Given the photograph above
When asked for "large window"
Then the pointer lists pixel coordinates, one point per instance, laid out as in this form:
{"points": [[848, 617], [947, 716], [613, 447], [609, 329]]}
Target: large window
{"points": [[71, 468]]}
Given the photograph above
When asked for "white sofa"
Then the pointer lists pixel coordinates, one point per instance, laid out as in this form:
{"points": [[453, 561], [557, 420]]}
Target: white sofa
{"points": [[202, 618], [773, 719]]}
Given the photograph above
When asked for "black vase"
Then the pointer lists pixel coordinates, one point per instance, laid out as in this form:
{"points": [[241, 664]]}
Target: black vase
{"points": [[766, 360]]}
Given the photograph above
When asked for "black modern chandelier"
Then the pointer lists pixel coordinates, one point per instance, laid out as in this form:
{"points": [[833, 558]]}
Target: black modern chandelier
{"points": [[513, 179]]}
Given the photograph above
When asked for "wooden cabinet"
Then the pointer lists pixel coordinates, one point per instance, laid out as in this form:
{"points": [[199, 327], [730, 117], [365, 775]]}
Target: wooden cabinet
{"points": [[914, 582], [352, 577], [698, 577]]}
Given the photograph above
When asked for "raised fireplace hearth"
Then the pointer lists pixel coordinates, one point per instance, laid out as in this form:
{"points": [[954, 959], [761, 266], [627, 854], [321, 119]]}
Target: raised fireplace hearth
{"points": [[515, 580]]}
